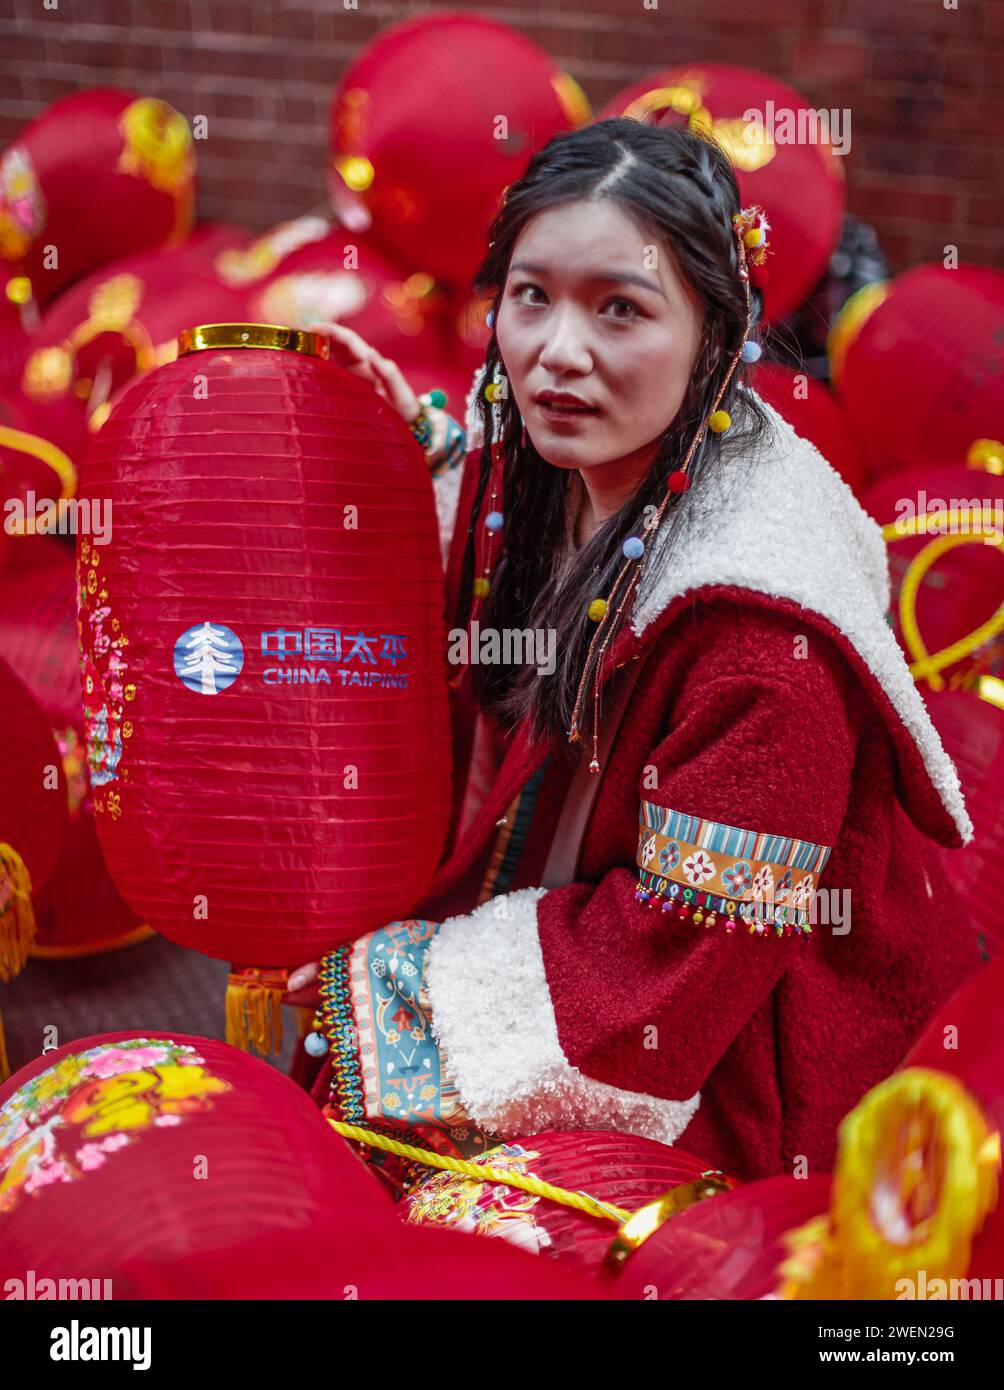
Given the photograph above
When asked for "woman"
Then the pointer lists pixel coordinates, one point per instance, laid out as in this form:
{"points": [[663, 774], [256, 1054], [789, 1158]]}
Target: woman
{"points": [[632, 946]]}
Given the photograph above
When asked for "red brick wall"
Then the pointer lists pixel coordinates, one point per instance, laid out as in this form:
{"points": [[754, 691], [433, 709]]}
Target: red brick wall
{"points": [[927, 161]]}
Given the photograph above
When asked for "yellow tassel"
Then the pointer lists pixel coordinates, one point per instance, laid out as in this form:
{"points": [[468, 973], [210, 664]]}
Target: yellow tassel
{"points": [[4, 1059], [254, 1009], [17, 917]]}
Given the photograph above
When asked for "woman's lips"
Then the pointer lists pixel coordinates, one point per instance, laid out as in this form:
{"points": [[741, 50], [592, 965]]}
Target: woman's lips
{"points": [[563, 412]]}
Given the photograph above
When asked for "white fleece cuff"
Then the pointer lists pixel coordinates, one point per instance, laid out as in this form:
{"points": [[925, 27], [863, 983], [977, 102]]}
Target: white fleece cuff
{"points": [[493, 1017]]}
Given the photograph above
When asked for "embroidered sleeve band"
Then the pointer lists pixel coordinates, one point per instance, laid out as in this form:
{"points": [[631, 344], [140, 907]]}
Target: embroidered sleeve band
{"points": [[714, 871]]}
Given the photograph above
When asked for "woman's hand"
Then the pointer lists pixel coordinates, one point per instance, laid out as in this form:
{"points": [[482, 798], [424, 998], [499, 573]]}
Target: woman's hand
{"points": [[302, 989], [356, 355]]}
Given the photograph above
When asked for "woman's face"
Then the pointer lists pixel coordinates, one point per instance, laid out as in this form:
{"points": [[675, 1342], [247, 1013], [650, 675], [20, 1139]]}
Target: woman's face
{"points": [[598, 332]]}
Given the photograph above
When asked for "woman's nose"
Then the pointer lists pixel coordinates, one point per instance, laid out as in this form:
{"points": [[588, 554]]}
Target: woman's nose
{"points": [[565, 348]]}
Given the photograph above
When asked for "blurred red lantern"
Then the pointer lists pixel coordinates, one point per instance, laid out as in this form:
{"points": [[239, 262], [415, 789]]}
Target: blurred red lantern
{"points": [[340, 278], [944, 525], [35, 473], [622, 1172], [433, 120], [971, 726], [919, 363], [32, 822], [97, 176], [965, 1039], [784, 160], [812, 410], [79, 911], [114, 325], [264, 672]]}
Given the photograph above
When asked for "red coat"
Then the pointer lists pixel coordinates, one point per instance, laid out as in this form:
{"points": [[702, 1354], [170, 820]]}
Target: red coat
{"points": [[775, 700]]}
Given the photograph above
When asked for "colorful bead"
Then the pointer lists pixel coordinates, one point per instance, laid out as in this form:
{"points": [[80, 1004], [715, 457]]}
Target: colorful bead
{"points": [[597, 610], [315, 1044], [754, 237], [719, 421], [678, 481], [490, 318], [437, 398], [752, 352], [494, 521], [633, 548], [481, 587]]}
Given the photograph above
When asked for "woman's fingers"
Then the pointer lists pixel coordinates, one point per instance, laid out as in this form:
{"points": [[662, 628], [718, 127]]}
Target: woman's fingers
{"points": [[303, 975], [385, 376]]}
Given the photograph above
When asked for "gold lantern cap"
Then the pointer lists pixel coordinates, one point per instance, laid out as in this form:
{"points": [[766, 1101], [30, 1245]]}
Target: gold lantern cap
{"points": [[275, 336]]}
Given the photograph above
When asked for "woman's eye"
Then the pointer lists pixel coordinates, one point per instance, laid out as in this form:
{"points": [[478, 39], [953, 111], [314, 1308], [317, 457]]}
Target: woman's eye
{"points": [[621, 309], [529, 294]]}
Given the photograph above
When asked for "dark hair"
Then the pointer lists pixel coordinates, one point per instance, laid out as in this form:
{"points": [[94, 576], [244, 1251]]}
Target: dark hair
{"points": [[682, 185]]}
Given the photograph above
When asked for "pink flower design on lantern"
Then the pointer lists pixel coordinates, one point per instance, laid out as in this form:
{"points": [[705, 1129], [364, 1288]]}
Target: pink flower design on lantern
{"points": [[116, 1060], [698, 868]]}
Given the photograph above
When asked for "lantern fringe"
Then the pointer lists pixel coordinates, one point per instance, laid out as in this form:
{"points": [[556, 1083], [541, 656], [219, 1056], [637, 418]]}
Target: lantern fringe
{"points": [[17, 916], [4, 1059], [254, 1009]]}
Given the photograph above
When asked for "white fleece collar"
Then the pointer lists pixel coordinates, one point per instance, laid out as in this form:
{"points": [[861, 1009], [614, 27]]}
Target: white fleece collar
{"points": [[779, 520]]}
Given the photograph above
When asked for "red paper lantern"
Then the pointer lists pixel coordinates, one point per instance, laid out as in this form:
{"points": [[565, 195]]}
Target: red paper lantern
{"points": [[79, 911], [919, 363], [813, 411], [126, 1146], [622, 1170], [114, 325], [97, 176], [177, 1167], [948, 570], [433, 120], [798, 181], [971, 726], [263, 652]]}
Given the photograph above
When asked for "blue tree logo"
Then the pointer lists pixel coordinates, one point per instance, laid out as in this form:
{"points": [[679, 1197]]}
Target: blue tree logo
{"points": [[208, 658]]}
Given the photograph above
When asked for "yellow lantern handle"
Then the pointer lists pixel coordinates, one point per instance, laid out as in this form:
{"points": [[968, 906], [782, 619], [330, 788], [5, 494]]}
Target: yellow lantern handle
{"points": [[925, 665]]}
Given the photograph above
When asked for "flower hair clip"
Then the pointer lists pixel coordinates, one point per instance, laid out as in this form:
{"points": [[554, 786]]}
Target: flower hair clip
{"points": [[753, 234]]}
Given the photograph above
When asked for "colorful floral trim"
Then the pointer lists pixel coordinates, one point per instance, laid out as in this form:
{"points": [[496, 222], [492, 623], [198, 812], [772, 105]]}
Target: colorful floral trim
{"points": [[711, 869]]}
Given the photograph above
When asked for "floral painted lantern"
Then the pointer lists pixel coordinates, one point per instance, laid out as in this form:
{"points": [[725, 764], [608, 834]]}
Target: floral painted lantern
{"points": [[632, 1186], [140, 1166], [264, 657], [126, 1147], [95, 177], [785, 160], [430, 123], [79, 911], [919, 363]]}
